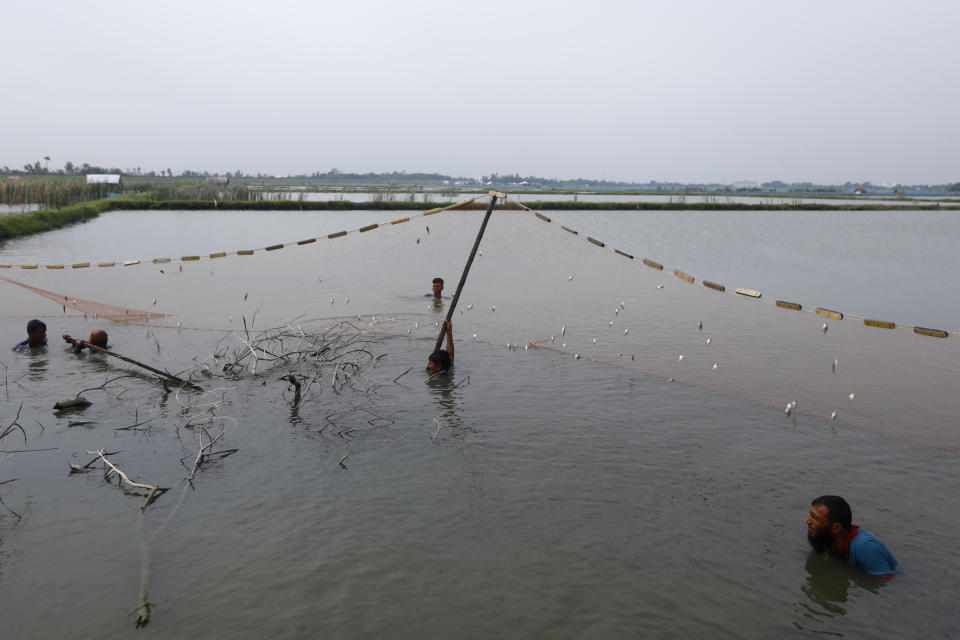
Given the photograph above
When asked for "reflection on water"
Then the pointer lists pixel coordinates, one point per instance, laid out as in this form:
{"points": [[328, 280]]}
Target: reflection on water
{"points": [[827, 589], [443, 392], [37, 369]]}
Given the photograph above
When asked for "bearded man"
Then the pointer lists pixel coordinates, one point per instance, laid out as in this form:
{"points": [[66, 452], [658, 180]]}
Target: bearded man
{"points": [[830, 528]]}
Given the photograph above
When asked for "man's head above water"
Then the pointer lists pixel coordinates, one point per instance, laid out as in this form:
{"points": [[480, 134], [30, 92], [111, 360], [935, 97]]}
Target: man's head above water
{"points": [[828, 522], [437, 287]]}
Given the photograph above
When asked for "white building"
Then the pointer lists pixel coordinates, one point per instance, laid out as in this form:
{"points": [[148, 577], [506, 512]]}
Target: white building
{"points": [[103, 178]]}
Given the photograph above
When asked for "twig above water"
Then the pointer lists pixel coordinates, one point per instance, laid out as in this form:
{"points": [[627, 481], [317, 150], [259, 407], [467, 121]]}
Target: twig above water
{"points": [[155, 490], [15, 424]]}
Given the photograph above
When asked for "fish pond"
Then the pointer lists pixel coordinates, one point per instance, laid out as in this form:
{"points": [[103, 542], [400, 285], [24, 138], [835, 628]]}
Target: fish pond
{"points": [[572, 477]]}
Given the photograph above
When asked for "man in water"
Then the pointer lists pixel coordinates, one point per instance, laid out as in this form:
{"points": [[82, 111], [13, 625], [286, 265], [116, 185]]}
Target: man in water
{"points": [[830, 528], [97, 339], [437, 289], [36, 335], [441, 360]]}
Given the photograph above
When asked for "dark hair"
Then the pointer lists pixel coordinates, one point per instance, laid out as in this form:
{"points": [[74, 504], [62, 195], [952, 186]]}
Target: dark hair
{"points": [[837, 509], [440, 358], [98, 339], [436, 280], [36, 325]]}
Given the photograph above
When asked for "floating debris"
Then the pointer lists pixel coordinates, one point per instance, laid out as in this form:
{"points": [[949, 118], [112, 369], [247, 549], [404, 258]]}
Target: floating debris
{"points": [[833, 416], [626, 331], [659, 286], [824, 328], [852, 396], [680, 358], [563, 330], [709, 340], [715, 366], [570, 279], [836, 363], [493, 308], [72, 403], [469, 307], [699, 325]]}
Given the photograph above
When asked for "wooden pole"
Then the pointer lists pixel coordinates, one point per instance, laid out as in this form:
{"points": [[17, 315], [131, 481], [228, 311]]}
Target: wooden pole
{"points": [[164, 374], [466, 269]]}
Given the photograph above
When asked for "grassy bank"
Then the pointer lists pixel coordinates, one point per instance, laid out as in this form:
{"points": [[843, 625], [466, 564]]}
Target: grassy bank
{"points": [[36, 221], [21, 224]]}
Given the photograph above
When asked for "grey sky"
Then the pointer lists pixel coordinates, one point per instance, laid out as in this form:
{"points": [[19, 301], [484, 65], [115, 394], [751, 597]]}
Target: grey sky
{"points": [[687, 91]]}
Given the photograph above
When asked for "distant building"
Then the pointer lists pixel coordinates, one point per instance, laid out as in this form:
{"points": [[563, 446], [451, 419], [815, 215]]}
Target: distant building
{"points": [[103, 178], [860, 191], [217, 180]]}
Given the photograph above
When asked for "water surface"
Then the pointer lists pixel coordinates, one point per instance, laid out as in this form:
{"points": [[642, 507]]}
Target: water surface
{"points": [[594, 485]]}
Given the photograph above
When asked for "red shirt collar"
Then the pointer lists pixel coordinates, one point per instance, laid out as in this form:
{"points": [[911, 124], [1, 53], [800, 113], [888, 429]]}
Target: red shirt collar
{"points": [[851, 534]]}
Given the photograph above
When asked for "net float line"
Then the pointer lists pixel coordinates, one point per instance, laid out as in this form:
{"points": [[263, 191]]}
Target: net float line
{"points": [[749, 293], [240, 252]]}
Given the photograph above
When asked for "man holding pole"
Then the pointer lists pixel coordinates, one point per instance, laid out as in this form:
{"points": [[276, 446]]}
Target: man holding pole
{"points": [[447, 326], [442, 360]]}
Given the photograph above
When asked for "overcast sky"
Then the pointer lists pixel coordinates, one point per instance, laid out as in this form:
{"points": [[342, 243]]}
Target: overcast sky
{"points": [[685, 91]]}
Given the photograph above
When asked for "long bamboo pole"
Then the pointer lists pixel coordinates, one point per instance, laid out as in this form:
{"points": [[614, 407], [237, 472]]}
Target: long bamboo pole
{"points": [[164, 374], [466, 269]]}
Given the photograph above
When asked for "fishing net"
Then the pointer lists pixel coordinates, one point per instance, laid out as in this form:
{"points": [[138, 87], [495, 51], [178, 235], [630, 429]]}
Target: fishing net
{"points": [[535, 284]]}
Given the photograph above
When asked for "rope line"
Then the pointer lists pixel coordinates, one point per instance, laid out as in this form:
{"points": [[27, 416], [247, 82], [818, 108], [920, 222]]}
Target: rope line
{"points": [[753, 293], [121, 314], [241, 252]]}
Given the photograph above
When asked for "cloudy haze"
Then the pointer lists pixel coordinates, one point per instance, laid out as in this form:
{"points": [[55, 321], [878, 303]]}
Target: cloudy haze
{"points": [[679, 91]]}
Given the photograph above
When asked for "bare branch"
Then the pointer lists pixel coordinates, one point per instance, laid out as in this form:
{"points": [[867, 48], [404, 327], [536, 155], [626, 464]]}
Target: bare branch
{"points": [[15, 424], [155, 491]]}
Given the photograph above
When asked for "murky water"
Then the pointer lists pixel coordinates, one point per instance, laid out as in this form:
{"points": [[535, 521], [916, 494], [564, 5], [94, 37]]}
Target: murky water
{"points": [[532, 494]]}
